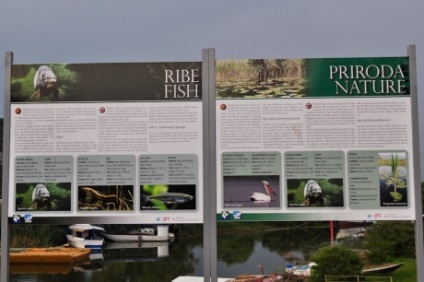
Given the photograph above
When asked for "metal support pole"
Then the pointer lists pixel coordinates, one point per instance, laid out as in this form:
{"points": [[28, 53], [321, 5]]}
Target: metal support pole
{"points": [[419, 243], [5, 185], [209, 140]]}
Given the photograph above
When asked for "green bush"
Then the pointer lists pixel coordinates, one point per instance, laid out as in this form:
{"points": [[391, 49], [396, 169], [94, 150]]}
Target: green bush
{"points": [[335, 261], [387, 240]]}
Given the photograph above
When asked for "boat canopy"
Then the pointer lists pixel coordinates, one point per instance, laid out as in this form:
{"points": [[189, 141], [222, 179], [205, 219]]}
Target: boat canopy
{"points": [[85, 227]]}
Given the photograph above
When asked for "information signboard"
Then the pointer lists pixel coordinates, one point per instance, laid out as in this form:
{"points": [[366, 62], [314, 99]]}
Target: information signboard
{"points": [[314, 139], [254, 140], [109, 143]]}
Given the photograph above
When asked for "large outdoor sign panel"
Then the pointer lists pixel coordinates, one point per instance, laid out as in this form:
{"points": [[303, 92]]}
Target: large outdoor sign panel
{"points": [[121, 142], [314, 139]]}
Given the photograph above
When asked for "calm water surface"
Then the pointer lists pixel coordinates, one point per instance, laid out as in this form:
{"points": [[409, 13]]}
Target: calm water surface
{"points": [[237, 254]]}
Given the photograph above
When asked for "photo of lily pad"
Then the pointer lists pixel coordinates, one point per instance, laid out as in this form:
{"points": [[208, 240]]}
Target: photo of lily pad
{"points": [[393, 177], [261, 78]]}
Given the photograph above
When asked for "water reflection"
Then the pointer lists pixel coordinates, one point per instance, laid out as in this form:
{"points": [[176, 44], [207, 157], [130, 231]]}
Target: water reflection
{"points": [[239, 253], [243, 253], [136, 262]]}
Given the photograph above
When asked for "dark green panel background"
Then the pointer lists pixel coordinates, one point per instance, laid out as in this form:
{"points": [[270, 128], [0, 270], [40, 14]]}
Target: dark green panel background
{"points": [[318, 73]]}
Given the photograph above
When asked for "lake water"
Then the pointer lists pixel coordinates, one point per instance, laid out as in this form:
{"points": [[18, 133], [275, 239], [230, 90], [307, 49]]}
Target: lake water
{"points": [[240, 253]]}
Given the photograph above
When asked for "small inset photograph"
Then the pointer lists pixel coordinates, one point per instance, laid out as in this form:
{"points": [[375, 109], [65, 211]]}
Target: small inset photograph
{"points": [[257, 191], [43, 197], [261, 79], [106, 198], [168, 197], [393, 175], [42, 83], [315, 192]]}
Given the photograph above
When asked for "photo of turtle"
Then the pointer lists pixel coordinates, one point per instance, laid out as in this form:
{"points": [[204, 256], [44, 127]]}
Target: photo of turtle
{"points": [[42, 83], [315, 193], [43, 197]]}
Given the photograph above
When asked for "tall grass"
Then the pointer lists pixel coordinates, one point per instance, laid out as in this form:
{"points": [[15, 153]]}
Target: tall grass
{"points": [[260, 69], [30, 236]]}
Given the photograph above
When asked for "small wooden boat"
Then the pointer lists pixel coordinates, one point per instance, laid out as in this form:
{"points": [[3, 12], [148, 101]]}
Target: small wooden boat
{"points": [[382, 269], [197, 279], [257, 278]]}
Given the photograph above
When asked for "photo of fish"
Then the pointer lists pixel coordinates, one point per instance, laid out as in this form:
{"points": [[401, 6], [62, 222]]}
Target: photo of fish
{"points": [[106, 198], [168, 197], [43, 196], [259, 191]]}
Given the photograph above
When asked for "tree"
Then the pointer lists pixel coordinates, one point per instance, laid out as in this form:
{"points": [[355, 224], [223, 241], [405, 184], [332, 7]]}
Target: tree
{"points": [[387, 240], [335, 261]]}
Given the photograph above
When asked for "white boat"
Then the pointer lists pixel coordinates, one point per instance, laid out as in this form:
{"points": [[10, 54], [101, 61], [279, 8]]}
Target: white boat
{"points": [[300, 270], [85, 236], [350, 233], [161, 234], [143, 231]]}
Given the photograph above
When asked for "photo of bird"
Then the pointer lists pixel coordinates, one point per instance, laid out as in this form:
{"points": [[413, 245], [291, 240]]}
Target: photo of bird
{"points": [[261, 197]]}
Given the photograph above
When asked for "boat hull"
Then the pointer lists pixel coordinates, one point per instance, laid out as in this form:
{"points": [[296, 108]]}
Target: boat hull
{"points": [[80, 243], [135, 238], [161, 234], [382, 269]]}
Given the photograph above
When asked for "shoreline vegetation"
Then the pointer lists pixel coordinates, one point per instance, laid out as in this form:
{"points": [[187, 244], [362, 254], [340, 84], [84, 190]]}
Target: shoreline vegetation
{"points": [[28, 236], [31, 236]]}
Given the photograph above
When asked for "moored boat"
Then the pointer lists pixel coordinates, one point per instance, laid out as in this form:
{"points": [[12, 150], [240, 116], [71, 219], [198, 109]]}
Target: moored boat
{"points": [[161, 233], [382, 269], [257, 278], [300, 270], [85, 236], [143, 231]]}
